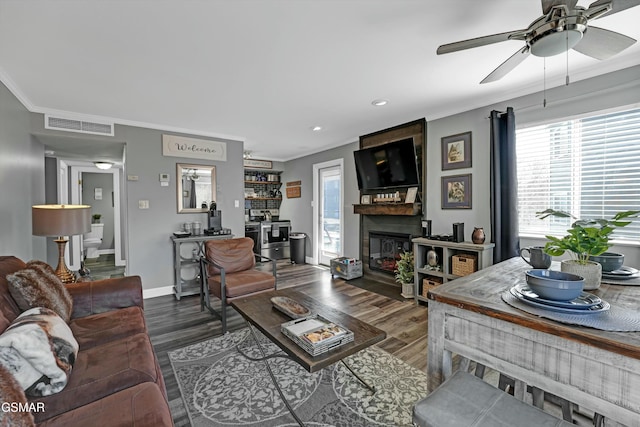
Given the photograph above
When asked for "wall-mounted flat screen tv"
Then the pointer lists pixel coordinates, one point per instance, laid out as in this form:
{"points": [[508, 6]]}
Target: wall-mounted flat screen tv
{"points": [[389, 165]]}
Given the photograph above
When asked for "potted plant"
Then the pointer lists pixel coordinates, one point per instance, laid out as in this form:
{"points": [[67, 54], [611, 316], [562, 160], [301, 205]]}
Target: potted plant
{"points": [[95, 218], [585, 238], [404, 273]]}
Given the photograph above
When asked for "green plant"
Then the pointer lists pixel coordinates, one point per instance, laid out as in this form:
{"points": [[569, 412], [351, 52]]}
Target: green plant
{"points": [[586, 237], [404, 268], [96, 216]]}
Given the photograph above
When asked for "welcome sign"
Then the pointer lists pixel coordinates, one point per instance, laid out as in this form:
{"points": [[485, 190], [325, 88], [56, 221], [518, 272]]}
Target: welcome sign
{"points": [[181, 146]]}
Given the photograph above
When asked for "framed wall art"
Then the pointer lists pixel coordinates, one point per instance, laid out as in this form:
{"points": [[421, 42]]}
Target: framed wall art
{"points": [[456, 151], [456, 192]]}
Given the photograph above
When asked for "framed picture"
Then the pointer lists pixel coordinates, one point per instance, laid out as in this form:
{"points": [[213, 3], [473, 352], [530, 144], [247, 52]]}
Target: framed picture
{"points": [[456, 151], [365, 199], [456, 192], [411, 195]]}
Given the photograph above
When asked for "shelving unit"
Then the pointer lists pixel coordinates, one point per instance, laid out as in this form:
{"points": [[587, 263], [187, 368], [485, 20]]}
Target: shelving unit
{"points": [[263, 187], [189, 264], [445, 250]]}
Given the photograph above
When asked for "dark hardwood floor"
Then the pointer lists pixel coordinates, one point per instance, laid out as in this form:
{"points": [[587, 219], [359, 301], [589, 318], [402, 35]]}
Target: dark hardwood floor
{"points": [[174, 324]]}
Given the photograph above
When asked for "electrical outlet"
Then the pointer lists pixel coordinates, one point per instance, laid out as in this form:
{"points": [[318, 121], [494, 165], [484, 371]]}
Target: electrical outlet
{"points": [[132, 177], [143, 204]]}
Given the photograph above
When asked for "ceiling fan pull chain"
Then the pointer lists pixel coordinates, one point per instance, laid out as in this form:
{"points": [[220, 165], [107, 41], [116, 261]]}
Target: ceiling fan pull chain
{"points": [[567, 40], [544, 82]]}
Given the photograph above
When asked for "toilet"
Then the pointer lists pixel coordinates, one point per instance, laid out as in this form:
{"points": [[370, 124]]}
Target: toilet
{"points": [[92, 241]]}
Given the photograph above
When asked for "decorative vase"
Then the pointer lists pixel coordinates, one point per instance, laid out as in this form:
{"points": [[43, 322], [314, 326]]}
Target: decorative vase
{"points": [[432, 257], [478, 235], [591, 271]]}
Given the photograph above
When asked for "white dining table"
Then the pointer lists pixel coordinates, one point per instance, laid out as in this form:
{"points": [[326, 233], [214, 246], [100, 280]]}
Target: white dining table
{"points": [[596, 369]]}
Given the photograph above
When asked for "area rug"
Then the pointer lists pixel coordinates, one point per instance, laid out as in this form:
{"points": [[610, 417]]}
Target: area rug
{"points": [[221, 387]]}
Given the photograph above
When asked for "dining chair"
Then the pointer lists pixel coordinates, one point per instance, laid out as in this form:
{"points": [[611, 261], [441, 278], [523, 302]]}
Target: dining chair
{"points": [[227, 271]]}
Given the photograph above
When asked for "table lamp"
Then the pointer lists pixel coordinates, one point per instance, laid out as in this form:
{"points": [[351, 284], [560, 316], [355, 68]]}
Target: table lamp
{"points": [[61, 221]]}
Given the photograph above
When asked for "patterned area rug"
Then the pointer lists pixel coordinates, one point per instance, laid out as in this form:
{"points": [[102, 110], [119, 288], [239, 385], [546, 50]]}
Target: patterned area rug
{"points": [[221, 387]]}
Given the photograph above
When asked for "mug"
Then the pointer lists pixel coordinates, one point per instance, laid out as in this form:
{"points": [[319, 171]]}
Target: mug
{"points": [[537, 257]]}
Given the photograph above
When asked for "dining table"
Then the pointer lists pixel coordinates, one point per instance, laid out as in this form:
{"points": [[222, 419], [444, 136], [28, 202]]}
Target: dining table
{"points": [[591, 359]]}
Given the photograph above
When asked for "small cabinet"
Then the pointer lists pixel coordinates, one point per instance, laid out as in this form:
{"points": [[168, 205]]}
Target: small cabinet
{"points": [[448, 253], [186, 263]]}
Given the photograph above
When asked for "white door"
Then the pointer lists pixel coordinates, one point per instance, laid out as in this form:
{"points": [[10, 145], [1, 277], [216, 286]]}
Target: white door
{"points": [[328, 207]]}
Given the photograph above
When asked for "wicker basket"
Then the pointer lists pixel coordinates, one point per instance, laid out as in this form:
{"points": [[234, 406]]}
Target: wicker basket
{"points": [[464, 264], [429, 283]]}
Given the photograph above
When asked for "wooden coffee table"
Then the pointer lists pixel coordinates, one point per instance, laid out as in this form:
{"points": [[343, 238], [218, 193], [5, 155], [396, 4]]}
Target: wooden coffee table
{"points": [[259, 312]]}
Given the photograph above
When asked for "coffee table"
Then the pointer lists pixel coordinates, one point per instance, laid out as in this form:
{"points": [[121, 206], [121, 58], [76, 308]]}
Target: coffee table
{"points": [[258, 311]]}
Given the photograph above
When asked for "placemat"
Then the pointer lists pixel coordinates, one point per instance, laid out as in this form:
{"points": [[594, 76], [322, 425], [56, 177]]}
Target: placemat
{"points": [[615, 319], [628, 282]]}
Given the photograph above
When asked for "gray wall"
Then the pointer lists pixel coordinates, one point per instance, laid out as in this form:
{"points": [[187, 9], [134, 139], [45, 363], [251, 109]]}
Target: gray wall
{"points": [[104, 207], [300, 210], [150, 252], [21, 180]]}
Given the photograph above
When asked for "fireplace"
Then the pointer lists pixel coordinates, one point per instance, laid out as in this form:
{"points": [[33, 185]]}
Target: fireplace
{"points": [[385, 249]]}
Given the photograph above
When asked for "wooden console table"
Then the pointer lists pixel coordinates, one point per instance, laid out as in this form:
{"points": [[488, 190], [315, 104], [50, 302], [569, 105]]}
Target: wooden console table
{"points": [[598, 370]]}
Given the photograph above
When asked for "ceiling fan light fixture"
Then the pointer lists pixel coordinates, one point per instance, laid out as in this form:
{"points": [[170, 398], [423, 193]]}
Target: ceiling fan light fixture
{"points": [[555, 43], [103, 165]]}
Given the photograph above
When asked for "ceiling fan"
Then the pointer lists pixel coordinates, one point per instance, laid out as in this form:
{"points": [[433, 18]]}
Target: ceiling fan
{"points": [[564, 25]]}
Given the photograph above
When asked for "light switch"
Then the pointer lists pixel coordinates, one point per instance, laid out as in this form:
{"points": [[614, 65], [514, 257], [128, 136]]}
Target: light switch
{"points": [[236, 203], [143, 204]]}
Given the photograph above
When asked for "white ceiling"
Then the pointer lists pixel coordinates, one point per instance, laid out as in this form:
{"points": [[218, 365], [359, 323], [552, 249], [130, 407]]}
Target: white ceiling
{"points": [[266, 71]]}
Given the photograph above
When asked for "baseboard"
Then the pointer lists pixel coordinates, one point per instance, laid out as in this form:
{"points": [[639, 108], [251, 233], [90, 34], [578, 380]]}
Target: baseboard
{"points": [[157, 292]]}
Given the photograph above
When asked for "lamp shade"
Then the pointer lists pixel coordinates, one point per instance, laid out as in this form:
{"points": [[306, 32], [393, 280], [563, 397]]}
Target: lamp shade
{"points": [[60, 220]]}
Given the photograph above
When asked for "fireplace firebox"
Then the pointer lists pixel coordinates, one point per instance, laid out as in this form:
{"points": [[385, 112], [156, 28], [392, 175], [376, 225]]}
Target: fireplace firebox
{"points": [[385, 249]]}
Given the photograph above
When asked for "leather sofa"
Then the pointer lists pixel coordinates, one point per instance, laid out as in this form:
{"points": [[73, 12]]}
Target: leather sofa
{"points": [[116, 378]]}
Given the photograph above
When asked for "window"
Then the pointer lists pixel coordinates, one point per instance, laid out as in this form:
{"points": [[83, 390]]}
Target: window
{"points": [[589, 167]]}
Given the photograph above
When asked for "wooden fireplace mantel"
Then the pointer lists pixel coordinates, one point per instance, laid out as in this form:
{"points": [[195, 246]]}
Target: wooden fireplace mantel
{"points": [[404, 209]]}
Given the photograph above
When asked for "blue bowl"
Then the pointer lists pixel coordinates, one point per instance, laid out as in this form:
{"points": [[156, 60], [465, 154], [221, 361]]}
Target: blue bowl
{"points": [[555, 285], [609, 261]]}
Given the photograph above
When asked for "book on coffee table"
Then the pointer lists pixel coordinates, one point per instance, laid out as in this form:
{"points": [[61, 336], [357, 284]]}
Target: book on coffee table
{"points": [[316, 335]]}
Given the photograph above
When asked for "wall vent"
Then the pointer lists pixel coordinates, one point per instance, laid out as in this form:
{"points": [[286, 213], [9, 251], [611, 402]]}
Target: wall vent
{"points": [[80, 126]]}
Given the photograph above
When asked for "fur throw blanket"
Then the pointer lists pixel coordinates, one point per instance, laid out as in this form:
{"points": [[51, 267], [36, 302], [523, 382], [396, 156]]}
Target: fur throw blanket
{"points": [[39, 349]]}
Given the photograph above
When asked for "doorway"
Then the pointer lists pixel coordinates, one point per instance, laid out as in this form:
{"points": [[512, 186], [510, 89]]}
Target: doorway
{"points": [[328, 194], [113, 202]]}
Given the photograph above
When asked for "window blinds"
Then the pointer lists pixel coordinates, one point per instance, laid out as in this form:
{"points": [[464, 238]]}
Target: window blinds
{"points": [[589, 167]]}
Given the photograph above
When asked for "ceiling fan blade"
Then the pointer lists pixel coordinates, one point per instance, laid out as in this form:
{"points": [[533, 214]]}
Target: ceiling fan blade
{"points": [[481, 41], [616, 5], [602, 44], [507, 65], [548, 4]]}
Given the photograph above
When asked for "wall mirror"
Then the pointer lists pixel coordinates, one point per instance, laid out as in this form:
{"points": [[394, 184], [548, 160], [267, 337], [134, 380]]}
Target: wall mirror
{"points": [[196, 187]]}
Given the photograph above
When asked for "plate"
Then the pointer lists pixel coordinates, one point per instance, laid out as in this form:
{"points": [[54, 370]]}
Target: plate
{"points": [[290, 307], [583, 302], [622, 272], [620, 277], [181, 234], [603, 306]]}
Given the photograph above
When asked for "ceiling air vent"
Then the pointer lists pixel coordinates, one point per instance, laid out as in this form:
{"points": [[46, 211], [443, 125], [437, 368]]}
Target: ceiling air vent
{"points": [[74, 125]]}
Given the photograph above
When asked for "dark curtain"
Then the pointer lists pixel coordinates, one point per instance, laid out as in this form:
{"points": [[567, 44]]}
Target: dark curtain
{"points": [[504, 186]]}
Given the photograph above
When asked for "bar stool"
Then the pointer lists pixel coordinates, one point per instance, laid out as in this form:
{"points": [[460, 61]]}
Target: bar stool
{"points": [[466, 400]]}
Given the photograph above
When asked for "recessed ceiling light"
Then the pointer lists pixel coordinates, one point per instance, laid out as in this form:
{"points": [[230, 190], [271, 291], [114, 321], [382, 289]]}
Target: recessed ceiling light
{"points": [[379, 102], [316, 128]]}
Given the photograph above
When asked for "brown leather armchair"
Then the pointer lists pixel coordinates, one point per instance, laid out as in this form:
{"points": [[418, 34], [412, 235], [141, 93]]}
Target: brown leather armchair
{"points": [[227, 272]]}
